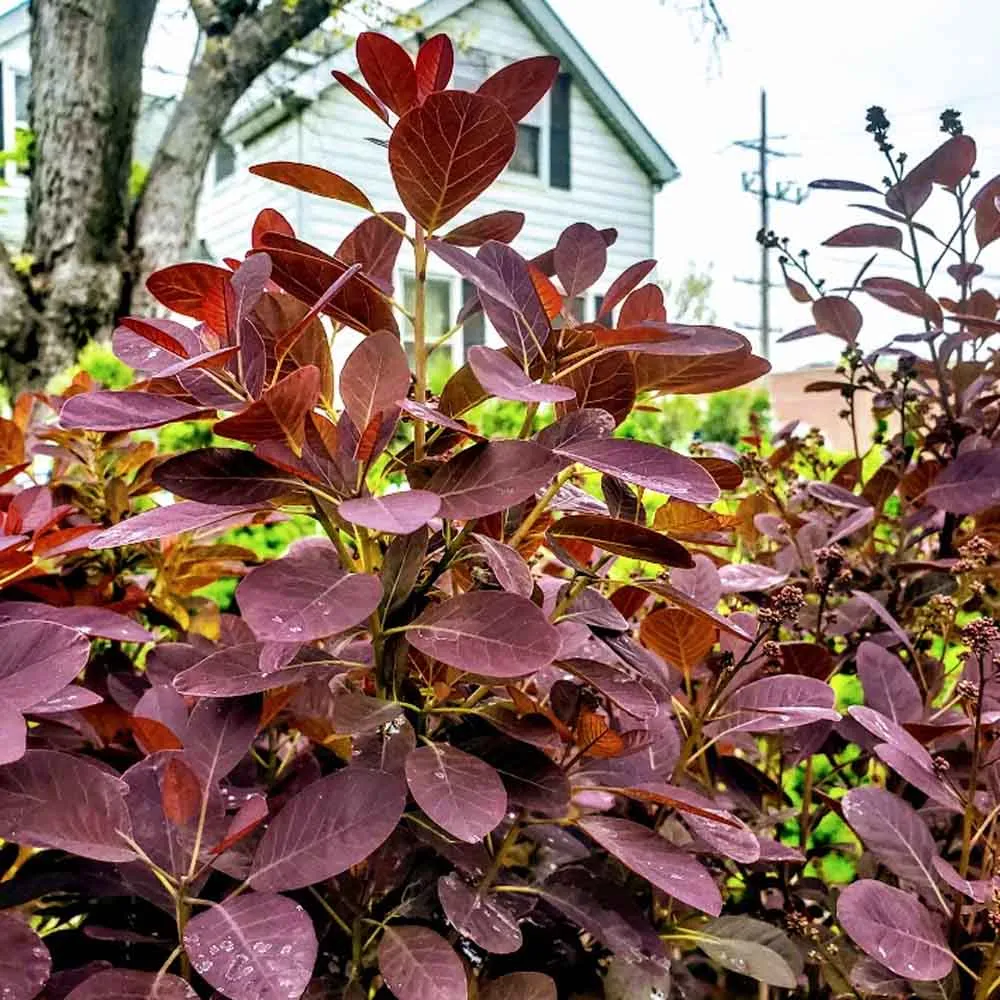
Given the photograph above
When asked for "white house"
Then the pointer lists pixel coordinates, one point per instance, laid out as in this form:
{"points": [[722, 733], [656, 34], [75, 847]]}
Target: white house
{"points": [[582, 154]]}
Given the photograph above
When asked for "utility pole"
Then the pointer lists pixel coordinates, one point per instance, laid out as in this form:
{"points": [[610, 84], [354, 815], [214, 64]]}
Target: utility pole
{"points": [[756, 183]]}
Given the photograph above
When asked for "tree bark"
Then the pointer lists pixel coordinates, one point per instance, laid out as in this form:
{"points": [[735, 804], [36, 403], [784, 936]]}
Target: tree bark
{"points": [[164, 217], [88, 253], [86, 58]]}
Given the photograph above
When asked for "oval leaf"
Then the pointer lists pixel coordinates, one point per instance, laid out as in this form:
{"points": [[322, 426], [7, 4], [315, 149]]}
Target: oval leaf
{"points": [[258, 946], [446, 152], [460, 792], [418, 964], [306, 595], [894, 928], [649, 855], [395, 513], [333, 824], [25, 962], [118, 984], [502, 378], [488, 633]]}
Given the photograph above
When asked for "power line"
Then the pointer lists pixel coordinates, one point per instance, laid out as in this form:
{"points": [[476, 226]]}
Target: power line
{"points": [[756, 183]]}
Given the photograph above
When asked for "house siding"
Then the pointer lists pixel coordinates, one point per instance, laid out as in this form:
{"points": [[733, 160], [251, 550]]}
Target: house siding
{"points": [[608, 187]]}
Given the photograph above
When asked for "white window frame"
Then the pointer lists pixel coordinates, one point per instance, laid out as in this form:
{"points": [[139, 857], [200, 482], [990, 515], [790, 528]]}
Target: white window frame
{"points": [[13, 67]]}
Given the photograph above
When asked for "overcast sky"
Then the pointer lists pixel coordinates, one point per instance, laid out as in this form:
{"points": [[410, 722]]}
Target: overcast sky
{"points": [[823, 63]]}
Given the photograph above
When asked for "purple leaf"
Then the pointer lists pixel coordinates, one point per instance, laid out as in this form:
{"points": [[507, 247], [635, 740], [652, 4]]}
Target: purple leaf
{"points": [[894, 928], [502, 378], [919, 775], [69, 699], [604, 910], [737, 842], [13, 733], [165, 803], [594, 610], [519, 986], [739, 578], [258, 946], [840, 185], [394, 513], [331, 825], [120, 984], [477, 272], [980, 890], [896, 836], [643, 464], [870, 976], [491, 476], [460, 792], [888, 686], [889, 732], [374, 377], [836, 496], [188, 515], [306, 595], [649, 855], [524, 328], [487, 633], [618, 684], [100, 622], [224, 476], [418, 964], [968, 484], [25, 962], [575, 427], [883, 614], [775, 703], [511, 571], [38, 659], [105, 410], [483, 919], [580, 258], [356, 714], [35, 809], [218, 735], [853, 522], [233, 671]]}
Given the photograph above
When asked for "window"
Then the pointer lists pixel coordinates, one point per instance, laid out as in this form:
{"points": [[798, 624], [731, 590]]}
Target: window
{"points": [[225, 161], [608, 320], [474, 328], [526, 159], [437, 314], [559, 135], [22, 87]]}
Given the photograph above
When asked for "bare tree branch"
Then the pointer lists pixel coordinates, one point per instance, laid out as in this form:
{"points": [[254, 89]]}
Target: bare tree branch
{"points": [[257, 37]]}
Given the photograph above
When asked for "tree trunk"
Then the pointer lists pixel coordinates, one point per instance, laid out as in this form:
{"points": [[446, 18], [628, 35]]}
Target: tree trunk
{"points": [[164, 217], [88, 255], [86, 76]]}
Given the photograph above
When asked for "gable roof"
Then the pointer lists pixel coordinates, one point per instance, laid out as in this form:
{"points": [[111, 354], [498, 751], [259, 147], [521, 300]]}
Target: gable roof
{"points": [[554, 36]]}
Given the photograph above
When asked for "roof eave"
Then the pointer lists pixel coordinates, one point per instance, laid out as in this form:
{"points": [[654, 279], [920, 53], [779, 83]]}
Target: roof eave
{"points": [[546, 24]]}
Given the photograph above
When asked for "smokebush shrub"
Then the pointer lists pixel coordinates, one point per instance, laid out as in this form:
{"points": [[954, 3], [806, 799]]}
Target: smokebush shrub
{"points": [[487, 733]]}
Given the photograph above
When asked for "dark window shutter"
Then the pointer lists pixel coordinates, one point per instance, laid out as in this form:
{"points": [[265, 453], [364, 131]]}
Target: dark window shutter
{"points": [[559, 165], [474, 328], [3, 123]]}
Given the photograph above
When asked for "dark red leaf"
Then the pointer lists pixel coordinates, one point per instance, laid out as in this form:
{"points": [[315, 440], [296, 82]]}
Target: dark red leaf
{"points": [[363, 94], [867, 235], [435, 61], [388, 70], [906, 298], [446, 152], [521, 85], [313, 180], [580, 258], [500, 226], [837, 316]]}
